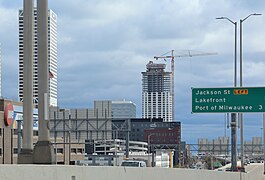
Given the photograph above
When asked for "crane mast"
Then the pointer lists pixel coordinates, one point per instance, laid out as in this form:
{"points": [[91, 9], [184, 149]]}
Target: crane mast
{"points": [[173, 83], [172, 57]]}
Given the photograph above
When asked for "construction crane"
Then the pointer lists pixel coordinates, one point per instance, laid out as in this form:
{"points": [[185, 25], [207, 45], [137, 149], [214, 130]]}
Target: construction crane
{"points": [[187, 53]]}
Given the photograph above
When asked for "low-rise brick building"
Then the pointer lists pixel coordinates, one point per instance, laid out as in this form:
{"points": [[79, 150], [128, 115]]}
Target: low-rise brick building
{"points": [[67, 152]]}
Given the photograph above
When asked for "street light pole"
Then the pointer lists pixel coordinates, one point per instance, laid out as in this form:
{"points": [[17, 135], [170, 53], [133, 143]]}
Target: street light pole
{"points": [[148, 141], [241, 34], [263, 143], [241, 85], [261, 129], [233, 115]]}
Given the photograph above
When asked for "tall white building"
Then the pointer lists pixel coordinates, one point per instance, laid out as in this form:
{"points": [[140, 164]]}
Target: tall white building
{"points": [[52, 54], [156, 92]]}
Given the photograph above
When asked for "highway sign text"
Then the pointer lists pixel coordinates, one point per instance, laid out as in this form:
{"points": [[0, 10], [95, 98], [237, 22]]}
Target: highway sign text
{"points": [[217, 100]]}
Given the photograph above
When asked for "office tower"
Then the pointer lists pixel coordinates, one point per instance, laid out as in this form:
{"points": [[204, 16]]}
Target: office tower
{"points": [[52, 54], [156, 92], [123, 109]]}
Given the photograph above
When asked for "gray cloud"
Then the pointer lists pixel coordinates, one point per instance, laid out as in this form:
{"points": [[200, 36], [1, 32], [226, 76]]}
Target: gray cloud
{"points": [[103, 46]]}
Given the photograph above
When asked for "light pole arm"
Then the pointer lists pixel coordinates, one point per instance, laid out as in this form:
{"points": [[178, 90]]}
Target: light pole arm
{"points": [[241, 42], [253, 14], [227, 19], [235, 59]]}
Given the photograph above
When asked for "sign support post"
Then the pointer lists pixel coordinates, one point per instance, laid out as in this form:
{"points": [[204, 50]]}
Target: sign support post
{"points": [[233, 142]]}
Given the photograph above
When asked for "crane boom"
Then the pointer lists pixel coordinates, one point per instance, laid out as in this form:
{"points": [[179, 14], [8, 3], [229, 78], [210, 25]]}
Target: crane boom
{"points": [[184, 55], [172, 57]]}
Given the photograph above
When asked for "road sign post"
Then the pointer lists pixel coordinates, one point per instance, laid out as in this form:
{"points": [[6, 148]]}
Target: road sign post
{"points": [[228, 100]]}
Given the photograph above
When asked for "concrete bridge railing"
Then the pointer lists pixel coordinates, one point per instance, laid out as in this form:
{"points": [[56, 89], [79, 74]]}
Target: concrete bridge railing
{"points": [[56, 172]]}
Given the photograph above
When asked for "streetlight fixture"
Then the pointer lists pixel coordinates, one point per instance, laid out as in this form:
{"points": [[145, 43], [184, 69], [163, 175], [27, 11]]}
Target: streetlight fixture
{"points": [[241, 85], [241, 65], [148, 141], [235, 23], [233, 115]]}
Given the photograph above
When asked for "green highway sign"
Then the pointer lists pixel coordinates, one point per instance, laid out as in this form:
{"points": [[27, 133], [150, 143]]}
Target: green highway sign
{"points": [[226, 100]]}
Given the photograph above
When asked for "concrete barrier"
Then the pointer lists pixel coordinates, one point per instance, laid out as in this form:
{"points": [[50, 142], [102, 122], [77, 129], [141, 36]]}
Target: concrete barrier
{"points": [[255, 172], [56, 172]]}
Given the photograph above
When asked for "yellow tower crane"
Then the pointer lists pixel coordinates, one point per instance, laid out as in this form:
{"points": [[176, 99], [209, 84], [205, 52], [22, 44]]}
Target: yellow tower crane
{"points": [[186, 53]]}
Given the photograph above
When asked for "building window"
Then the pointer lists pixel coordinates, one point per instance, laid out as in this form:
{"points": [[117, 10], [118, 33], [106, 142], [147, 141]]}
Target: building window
{"points": [[80, 150], [73, 150], [15, 151], [60, 150], [15, 132], [35, 133]]}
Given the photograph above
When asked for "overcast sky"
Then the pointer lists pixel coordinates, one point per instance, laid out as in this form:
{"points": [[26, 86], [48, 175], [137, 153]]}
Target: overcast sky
{"points": [[103, 46]]}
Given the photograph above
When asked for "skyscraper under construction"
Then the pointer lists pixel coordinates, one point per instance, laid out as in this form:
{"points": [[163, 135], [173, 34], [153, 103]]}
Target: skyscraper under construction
{"points": [[157, 92]]}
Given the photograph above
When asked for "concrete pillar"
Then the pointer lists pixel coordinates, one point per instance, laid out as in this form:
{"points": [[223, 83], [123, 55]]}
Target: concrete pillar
{"points": [[43, 150], [25, 157], [43, 71]]}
